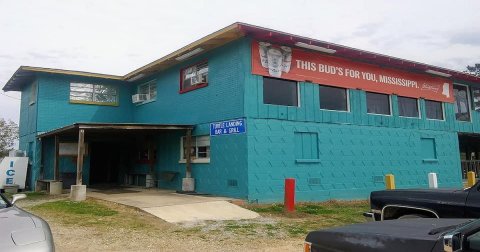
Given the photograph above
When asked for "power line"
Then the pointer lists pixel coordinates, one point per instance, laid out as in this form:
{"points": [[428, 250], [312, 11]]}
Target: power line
{"points": [[15, 98]]}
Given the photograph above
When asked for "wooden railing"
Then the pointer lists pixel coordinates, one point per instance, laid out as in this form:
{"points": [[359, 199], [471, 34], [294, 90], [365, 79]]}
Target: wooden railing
{"points": [[470, 165]]}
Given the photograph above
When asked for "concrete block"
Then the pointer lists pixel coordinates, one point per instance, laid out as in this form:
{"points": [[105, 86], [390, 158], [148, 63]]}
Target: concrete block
{"points": [[56, 187], [78, 192], [188, 184]]}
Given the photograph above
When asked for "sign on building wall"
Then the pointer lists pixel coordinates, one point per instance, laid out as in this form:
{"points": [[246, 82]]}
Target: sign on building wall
{"points": [[228, 127], [300, 65]]}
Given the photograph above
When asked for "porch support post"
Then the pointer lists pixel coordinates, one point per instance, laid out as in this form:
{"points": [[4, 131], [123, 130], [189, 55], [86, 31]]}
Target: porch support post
{"points": [[81, 138], [56, 171], [188, 159], [188, 183], [78, 192]]}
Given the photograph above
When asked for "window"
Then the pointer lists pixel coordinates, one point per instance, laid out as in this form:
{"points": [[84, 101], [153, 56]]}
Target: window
{"points": [[33, 93], [333, 98], [149, 89], [280, 92], [407, 107], [428, 148], [462, 104], [306, 146], [378, 103], [194, 77], [476, 98], [200, 151], [433, 110], [93, 94]]}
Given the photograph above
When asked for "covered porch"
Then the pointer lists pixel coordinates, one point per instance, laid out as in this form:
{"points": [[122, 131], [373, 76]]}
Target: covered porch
{"points": [[469, 145], [115, 154]]}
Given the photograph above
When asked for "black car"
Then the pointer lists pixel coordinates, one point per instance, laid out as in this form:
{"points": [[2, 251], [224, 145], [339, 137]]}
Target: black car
{"points": [[409, 235], [428, 203]]}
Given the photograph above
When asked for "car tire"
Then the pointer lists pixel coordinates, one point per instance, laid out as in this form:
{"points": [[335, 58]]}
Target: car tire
{"points": [[412, 216]]}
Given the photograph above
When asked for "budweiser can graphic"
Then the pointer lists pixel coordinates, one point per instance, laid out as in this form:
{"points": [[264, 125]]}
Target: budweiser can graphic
{"points": [[274, 61], [263, 48], [287, 58]]}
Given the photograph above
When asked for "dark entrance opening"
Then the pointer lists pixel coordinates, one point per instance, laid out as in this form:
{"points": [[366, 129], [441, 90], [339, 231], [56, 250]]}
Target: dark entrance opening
{"points": [[109, 162], [469, 145]]}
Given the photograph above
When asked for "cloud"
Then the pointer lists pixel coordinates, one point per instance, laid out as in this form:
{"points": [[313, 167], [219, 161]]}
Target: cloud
{"points": [[471, 37]]}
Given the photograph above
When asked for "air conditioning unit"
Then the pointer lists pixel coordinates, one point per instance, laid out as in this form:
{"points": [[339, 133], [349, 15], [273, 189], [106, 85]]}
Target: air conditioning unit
{"points": [[136, 98]]}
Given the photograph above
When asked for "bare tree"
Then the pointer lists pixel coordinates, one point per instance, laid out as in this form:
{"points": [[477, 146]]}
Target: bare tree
{"points": [[474, 70], [8, 135]]}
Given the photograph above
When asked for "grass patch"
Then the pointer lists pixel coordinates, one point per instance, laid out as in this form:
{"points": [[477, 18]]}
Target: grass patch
{"points": [[75, 208], [312, 216], [94, 213]]}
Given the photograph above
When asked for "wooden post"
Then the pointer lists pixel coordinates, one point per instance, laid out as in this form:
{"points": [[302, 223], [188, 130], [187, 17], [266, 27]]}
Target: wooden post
{"points": [[56, 171], [188, 159], [471, 180], [390, 181], [81, 136]]}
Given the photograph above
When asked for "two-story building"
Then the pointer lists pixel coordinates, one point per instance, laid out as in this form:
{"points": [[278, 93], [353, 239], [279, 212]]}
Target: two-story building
{"points": [[254, 106]]}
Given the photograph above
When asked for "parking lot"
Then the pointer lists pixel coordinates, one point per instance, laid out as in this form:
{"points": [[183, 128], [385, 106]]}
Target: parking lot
{"points": [[97, 225]]}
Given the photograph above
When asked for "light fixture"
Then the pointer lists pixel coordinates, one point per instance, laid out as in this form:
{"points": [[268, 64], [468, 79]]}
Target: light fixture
{"points": [[430, 71], [316, 48], [189, 54], [136, 77]]}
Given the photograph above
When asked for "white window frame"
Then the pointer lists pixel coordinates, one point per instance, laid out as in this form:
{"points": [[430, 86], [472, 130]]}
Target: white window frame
{"points": [[150, 99], [348, 99], [195, 159], [469, 103], [419, 116], [433, 119], [389, 103]]}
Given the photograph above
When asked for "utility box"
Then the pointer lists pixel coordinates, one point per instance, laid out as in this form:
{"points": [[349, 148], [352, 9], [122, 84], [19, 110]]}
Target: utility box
{"points": [[13, 171]]}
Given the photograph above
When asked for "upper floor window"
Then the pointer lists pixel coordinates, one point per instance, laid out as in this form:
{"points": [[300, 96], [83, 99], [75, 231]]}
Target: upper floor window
{"points": [[462, 103], [149, 89], [194, 77], [280, 92], [93, 94], [407, 107], [333, 98], [433, 110], [33, 93], [378, 103]]}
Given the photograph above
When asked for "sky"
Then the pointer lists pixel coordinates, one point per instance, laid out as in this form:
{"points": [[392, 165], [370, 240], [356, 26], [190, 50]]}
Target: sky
{"points": [[117, 37]]}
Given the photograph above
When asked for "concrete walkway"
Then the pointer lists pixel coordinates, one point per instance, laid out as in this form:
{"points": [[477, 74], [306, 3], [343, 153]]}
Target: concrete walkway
{"points": [[173, 207]]}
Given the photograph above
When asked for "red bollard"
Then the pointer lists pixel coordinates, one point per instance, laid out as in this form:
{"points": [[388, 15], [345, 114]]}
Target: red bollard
{"points": [[289, 201]]}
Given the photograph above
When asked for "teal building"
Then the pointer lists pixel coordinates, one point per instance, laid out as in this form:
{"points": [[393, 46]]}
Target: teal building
{"points": [[255, 106]]}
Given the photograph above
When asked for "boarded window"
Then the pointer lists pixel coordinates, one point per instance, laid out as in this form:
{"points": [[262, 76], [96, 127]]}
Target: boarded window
{"points": [[428, 148], [306, 145], [333, 98], [280, 92]]}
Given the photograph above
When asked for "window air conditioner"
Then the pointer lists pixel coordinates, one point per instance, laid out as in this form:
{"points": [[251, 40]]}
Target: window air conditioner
{"points": [[136, 98]]}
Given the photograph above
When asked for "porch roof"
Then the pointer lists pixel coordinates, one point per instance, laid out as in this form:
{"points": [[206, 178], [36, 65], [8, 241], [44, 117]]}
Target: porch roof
{"points": [[98, 127]]}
